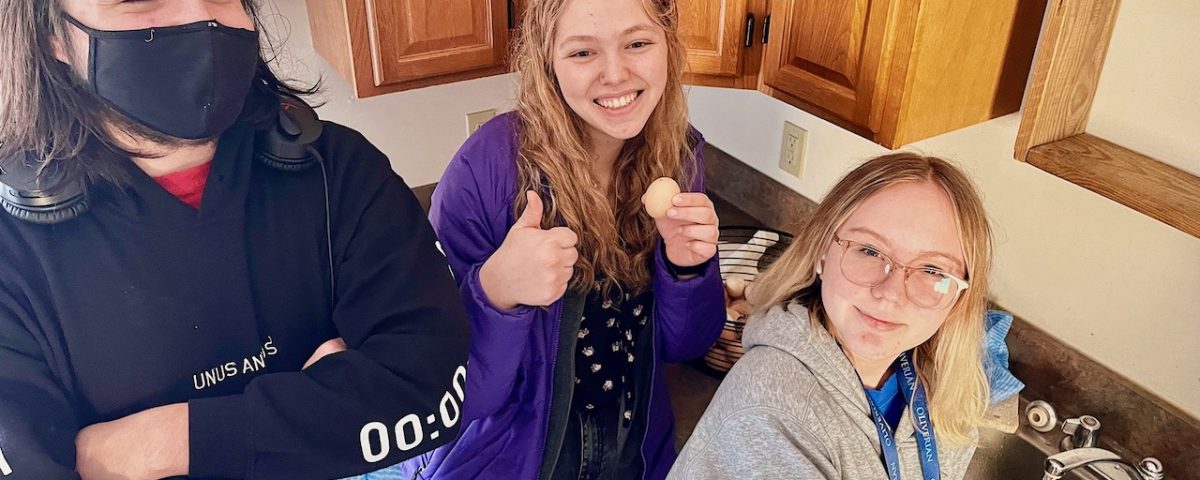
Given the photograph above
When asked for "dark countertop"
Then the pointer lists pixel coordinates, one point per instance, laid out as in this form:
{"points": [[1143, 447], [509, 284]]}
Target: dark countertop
{"points": [[731, 215], [691, 391]]}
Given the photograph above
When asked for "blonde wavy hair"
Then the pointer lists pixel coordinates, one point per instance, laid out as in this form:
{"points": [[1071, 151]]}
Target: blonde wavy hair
{"points": [[616, 240], [951, 362]]}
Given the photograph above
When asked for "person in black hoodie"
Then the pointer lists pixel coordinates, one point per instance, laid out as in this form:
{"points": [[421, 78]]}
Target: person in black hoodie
{"points": [[183, 240]]}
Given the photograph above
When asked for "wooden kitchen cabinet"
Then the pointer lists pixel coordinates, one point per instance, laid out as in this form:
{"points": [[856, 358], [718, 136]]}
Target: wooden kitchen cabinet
{"points": [[894, 71], [724, 41], [384, 46], [898, 71]]}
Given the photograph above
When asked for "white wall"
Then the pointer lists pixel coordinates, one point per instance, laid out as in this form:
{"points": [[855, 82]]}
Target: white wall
{"points": [[1147, 99], [1116, 284]]}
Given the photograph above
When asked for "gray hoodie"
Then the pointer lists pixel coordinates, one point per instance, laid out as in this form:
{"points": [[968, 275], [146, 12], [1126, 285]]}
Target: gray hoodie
{"points": [[793, 407]]}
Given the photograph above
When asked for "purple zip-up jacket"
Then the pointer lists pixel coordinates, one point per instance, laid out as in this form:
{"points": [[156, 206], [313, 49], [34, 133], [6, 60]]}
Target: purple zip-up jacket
{"points": [[508, 414]]}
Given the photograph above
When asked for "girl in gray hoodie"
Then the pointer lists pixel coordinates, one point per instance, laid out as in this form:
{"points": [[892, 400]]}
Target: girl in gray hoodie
{"points": [[864, 359]]}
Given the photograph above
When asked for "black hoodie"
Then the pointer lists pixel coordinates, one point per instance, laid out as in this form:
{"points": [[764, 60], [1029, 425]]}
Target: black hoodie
{"points": [[144, 301]]}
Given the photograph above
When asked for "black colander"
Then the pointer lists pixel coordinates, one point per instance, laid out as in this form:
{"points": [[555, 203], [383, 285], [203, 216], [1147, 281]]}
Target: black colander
{"points": [[743, 252]]}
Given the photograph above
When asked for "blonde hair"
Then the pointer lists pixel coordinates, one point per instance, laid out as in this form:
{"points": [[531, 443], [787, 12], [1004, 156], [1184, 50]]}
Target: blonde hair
{"points": [[951, 362], [616, 240]]}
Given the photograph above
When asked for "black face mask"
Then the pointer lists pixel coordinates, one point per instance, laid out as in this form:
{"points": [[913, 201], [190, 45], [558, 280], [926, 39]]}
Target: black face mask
{"points": [[187, 81]]}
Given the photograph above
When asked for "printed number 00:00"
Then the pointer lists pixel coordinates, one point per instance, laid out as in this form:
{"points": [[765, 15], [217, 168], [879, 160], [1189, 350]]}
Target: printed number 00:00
{"points": [[378, 431]]}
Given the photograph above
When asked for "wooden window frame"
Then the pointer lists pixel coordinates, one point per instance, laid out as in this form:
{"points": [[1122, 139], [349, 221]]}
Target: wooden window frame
{"points": [[1053, 136]]}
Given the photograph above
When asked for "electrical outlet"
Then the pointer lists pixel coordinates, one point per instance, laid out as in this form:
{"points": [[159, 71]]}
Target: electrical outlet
{"points": [[477, 119], [794, 149]]}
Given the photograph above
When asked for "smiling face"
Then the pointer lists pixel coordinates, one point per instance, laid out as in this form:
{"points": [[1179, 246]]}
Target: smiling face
{"points": [[610, 61], [914, 224]]}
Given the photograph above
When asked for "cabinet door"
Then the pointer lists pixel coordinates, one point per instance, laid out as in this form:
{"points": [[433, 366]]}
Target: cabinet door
{"points": [[415, 39], [830, 54], [714, 33]]}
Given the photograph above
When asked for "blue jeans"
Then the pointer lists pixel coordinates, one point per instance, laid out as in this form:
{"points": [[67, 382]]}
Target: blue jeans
{"points": [[389, 473], [589, 450]]}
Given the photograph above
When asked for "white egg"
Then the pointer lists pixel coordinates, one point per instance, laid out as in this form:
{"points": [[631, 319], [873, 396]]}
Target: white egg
{"points": [[659, 195]]}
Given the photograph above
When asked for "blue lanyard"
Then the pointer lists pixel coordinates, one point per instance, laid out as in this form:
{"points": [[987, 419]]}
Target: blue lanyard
{"points": [[914, 395]]}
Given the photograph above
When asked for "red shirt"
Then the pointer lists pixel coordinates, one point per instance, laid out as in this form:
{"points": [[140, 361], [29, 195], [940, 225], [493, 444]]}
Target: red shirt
{"points": [[187, 185]]}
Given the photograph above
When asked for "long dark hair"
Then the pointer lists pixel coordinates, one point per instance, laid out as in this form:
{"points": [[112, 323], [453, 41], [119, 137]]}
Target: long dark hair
{"points": [[48, 114]]}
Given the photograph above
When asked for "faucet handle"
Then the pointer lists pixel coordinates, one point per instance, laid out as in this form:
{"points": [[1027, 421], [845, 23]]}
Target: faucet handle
{"points": [[1082, 431], [1150, 469]]}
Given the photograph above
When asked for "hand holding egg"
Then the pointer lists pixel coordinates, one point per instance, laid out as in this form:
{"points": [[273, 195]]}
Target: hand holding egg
{"points": [[687, 222]]}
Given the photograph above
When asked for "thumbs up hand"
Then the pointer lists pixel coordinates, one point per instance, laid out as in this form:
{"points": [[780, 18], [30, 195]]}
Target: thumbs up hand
{"points": [[533, 266]]}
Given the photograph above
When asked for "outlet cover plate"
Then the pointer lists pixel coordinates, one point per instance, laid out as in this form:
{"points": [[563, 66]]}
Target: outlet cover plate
{"points": [[477, 119], [793, 152]]}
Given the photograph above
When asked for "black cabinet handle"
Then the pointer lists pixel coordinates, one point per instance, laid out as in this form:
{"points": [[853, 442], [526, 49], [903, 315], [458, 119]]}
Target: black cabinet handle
{"points": [[766, 29], [749, 30]]}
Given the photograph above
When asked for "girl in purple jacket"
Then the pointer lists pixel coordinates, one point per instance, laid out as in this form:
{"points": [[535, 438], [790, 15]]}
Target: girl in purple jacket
{"points": [[576, 295]]}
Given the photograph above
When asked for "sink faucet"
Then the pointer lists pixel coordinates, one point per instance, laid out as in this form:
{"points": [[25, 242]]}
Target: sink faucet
{"points": [[1079, 450], [1061, 463]]}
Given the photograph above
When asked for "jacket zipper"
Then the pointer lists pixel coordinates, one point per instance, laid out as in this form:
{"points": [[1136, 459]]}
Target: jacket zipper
{"points": [[653, 378], [550, 393]]}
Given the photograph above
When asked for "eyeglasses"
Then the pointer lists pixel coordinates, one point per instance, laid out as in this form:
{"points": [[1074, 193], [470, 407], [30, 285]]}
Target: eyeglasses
{"points": [[927, 286]]}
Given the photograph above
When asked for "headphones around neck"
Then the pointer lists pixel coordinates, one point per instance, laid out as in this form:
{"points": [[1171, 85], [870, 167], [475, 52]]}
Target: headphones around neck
{"points": [[25, 187]]}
